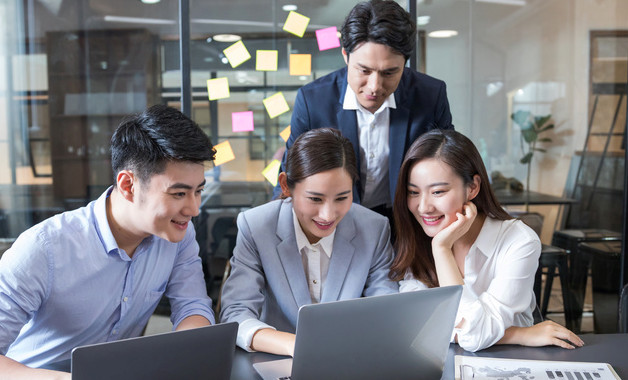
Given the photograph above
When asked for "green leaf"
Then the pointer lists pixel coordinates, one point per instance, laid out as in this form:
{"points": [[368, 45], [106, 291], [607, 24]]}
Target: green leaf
{"points": [[521, 117], [541, 120], [549, 126], [545, 139], [529, 135], [540, 150], [527, 158]]}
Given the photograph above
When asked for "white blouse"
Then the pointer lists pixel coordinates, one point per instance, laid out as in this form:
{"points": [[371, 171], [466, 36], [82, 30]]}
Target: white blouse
{"points": [[498, 283]]}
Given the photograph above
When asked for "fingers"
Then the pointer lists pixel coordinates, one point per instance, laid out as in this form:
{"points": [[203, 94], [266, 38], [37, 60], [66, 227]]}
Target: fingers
{"points": [[561, 336]]}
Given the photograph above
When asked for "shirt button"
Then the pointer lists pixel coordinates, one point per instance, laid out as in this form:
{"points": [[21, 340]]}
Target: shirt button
{"points": [[314, 281], [372, 126], [125, 299], [372, 155], [115, 332]]}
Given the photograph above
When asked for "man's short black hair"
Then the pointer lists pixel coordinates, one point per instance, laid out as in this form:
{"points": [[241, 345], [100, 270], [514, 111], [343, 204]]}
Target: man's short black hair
{"points": [[146, 142], [380, 21]]}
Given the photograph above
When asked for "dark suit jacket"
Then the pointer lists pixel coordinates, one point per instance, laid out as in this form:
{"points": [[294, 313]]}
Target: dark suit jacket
{"points": [[421, 105]]}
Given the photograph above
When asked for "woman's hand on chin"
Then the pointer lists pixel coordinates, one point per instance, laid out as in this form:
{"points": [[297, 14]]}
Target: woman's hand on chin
{"points": [[450, 234]]}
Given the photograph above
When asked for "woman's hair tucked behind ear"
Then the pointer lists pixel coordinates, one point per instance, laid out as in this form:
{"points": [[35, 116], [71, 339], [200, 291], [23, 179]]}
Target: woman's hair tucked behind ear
{"points": [[413, 246], [317, 151]]}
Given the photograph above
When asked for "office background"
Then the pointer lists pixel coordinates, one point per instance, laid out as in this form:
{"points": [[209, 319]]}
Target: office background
{"points": [[70, 69]]}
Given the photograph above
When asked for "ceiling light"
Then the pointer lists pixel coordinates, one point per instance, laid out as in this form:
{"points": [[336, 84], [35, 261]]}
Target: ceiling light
{"points": [[150, 1], [138, 20], [505, 2], [423, 20], [443, 33], [289, 7], [227, 37]]}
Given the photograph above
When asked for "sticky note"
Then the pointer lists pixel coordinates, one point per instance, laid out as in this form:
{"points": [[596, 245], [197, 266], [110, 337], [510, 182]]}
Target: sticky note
{"points": [[300, 64], [224, 153], [242, 121], [266, 60], [285, 134], [218, 88], [237, 54], [296, 23], [276, 105], [327, 38], [271, 172]]}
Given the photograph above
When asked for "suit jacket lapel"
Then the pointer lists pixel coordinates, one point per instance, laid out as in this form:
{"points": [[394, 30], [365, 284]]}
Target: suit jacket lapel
{"points": [[348, 126], [290, 257], [341, 257]]}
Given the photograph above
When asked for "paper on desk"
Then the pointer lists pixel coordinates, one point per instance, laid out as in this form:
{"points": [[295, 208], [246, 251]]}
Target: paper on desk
{"points": [[481, 368]]}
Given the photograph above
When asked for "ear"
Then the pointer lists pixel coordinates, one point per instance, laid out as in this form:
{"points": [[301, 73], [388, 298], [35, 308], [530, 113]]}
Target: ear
{"points": [[345, 56], [125, 183], [283, 182], [473, 189]]}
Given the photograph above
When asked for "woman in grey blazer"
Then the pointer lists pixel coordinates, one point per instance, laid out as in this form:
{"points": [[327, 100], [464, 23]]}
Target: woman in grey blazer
{"points": [[314, 245]]}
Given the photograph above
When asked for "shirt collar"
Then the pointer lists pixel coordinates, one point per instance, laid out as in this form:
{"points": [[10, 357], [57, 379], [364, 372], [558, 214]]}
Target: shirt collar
{"points": [[351, 102], [485, 242], [102, 223], [326, 243]]}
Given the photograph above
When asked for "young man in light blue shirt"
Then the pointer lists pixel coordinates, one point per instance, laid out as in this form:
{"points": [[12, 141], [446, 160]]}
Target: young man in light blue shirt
{"points": [[97, 273]]}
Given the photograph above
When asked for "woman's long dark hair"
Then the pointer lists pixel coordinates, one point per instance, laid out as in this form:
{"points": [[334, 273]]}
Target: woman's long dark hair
{"points": [[413, 246]]}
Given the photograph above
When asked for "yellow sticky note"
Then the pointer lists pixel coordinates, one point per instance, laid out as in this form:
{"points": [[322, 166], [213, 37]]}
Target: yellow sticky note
{"points": [[276, 105], [300, 64], [296, 23], [218, 88], [285, 134], [266, 60], [224, 153], [237, 54], [271, 172]]}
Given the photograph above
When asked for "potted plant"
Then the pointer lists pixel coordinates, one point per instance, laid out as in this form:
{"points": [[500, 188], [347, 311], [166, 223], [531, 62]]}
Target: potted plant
{"points": [[531, 128]]}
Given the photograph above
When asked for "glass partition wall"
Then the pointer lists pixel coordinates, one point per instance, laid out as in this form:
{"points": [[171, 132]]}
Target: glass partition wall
{"points": [[71, 69]]}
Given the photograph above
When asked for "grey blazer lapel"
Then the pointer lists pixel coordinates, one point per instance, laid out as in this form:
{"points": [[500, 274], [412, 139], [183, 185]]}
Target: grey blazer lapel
{"points": [[341, 258], [290, 257]]}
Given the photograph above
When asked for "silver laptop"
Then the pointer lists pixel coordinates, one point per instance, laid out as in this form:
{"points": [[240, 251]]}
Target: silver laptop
{"points": [[201, 353], [397, 336]]}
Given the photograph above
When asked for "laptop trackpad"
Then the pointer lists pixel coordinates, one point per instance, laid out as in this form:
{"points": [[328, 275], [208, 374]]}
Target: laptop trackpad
{"points": [[274, 369]]}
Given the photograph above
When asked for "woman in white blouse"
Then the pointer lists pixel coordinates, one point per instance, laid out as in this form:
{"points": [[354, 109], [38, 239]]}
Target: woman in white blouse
{"points": [[451, 230]]}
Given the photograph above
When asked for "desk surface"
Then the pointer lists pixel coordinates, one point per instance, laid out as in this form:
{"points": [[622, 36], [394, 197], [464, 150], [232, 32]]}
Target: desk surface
{"points": [[513, 198], [604, 348]]}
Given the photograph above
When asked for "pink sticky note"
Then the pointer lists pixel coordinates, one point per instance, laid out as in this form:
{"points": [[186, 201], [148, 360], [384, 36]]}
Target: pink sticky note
{"points": [[242, 121], [327, 38]]}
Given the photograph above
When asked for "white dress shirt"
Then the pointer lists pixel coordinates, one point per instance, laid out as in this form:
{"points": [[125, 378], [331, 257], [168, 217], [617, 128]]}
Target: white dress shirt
{"points": [[316, 266], [374, 148], [498, 283]]}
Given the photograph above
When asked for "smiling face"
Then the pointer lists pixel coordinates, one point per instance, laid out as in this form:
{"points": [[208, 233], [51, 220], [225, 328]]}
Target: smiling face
{"points": [[436, 193], [320, 201], [168, 202], [373, 73]]}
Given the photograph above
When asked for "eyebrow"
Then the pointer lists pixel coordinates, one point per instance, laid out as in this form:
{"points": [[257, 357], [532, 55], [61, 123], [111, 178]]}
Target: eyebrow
{"points": [[185, 186], [431, 185], [322, 195], [390, 69]]}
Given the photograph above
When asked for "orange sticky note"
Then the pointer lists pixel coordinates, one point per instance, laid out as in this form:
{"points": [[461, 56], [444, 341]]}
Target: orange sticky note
{"points": [[237, 54], [218, 88], [296, 23], [266, 60], [276, 105], [300, 64], [285, 134], [224, 153], [271, 172]]}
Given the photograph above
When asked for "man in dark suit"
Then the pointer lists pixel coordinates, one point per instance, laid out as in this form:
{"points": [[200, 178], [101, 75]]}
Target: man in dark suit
{"points": [[385, 105]]}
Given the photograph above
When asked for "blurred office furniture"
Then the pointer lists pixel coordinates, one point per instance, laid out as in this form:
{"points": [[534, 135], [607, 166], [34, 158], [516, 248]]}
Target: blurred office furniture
{"points": [[95, 78], [605, 281]]}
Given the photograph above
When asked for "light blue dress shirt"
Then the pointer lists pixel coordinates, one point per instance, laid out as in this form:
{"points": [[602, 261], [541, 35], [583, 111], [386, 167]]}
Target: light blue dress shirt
{"points": [[65, 283]]}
